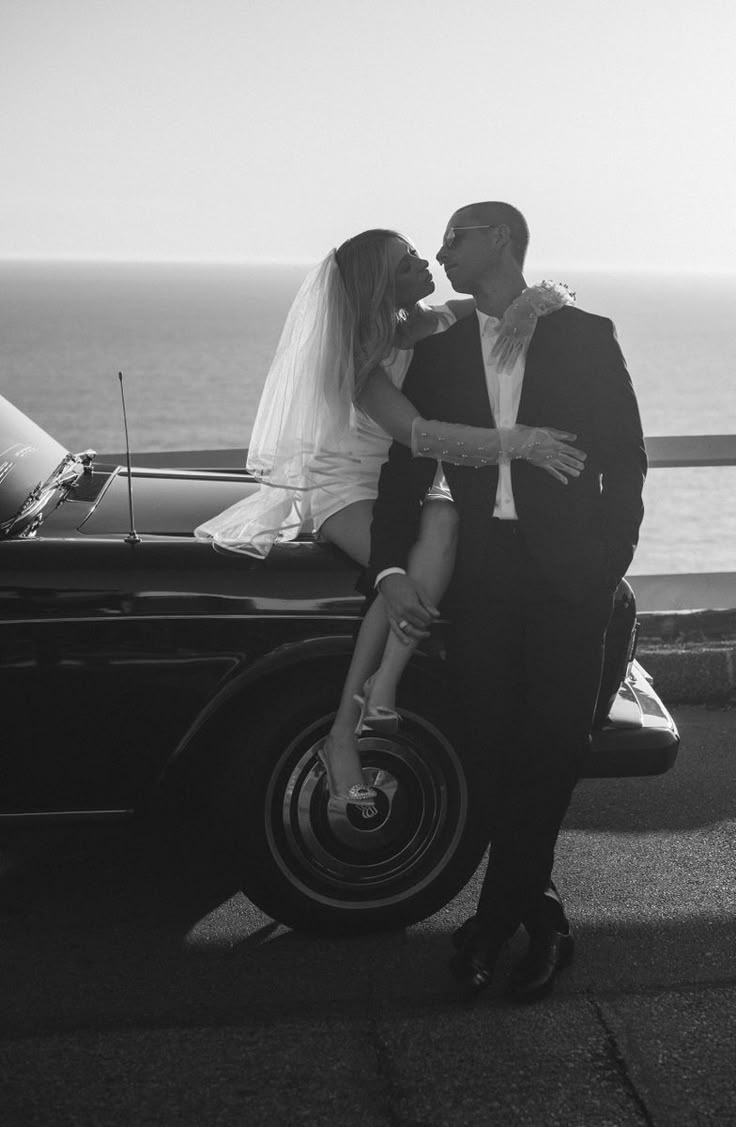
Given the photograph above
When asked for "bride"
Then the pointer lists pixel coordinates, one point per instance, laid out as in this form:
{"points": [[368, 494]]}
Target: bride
{"points": [[330, 408]]}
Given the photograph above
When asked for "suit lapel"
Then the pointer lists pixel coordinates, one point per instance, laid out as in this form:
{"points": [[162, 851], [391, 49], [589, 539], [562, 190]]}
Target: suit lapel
{"points": [[536, 366], [470, 403]]}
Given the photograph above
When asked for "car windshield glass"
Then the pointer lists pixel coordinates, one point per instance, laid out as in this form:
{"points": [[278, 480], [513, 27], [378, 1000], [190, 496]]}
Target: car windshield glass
{"points": [[28, 457]]}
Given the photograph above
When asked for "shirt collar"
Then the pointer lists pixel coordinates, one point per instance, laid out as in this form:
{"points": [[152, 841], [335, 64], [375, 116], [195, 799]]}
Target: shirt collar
{"points": [[487, 323]]}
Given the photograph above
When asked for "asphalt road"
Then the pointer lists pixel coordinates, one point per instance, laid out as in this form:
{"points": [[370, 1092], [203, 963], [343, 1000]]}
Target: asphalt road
{"points": [[135, 993]]}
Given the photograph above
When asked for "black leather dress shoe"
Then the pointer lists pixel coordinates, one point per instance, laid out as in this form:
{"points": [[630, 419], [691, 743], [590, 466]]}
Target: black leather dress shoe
{"points": [[475, 960], [549, 952]]}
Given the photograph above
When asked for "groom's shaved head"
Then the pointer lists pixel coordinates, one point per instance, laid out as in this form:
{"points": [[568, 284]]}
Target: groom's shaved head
{"points": [[497, 214]]}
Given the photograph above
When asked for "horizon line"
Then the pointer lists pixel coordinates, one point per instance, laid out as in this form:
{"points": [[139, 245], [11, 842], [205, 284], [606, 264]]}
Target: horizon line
{"points": [[609, 268]]}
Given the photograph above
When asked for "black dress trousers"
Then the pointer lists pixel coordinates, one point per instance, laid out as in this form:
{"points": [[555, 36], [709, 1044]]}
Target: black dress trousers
{"points": [[526, 667]]}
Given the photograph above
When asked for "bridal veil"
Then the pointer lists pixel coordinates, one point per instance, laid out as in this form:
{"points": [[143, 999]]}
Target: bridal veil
{"points": [[305, 412]]}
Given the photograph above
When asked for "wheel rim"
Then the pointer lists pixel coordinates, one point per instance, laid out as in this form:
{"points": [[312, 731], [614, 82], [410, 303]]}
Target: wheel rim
{"points": [[333, 853]]}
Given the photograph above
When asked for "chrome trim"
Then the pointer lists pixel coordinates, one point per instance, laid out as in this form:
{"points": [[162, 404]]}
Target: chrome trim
{"points": [[625, 711], [47, 621], [653, 712], [67, 815]]}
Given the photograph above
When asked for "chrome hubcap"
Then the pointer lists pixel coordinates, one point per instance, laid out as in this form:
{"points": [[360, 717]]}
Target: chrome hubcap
{"points": [[336, 851]]}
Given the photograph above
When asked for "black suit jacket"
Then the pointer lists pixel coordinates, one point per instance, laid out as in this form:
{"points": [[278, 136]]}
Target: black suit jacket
{"points": [[582, 534]]}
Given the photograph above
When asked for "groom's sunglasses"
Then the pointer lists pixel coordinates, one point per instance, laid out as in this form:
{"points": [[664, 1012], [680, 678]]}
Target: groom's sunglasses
{"points": [[449, 238]]}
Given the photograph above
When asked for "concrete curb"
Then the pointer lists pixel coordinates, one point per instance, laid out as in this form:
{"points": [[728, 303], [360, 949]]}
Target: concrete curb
{"points": [[690, 654]]}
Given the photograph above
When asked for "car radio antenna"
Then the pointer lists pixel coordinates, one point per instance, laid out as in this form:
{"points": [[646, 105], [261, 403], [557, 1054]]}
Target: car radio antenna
{"points": [[132, 537]]}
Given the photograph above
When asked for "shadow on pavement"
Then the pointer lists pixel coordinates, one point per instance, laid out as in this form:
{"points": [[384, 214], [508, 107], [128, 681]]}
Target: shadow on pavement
{"points": [[110, 928]]}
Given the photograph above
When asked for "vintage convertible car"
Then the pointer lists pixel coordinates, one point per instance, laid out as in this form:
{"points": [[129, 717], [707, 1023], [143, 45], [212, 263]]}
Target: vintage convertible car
{"points": [[145, 671]]}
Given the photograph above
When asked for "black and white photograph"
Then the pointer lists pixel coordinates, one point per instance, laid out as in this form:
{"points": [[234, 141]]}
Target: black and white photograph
{"points": [[367, 563]]}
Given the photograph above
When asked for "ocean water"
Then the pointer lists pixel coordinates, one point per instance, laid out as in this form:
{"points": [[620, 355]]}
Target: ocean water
{"points": [[195, 341]]}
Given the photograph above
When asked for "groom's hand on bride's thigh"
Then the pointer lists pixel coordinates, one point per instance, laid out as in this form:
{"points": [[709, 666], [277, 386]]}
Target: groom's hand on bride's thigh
{"points": [[410, 612]]}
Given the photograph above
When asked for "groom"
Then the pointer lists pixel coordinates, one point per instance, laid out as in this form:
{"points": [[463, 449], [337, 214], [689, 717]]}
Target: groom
{"points": [[538, 561]]}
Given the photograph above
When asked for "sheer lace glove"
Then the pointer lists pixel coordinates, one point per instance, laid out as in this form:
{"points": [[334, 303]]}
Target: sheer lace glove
{"points": [[462, 445], [544, 447], [455, 443]]}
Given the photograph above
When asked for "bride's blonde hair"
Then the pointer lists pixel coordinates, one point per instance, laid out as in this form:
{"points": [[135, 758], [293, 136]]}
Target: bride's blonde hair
{"points": [[368, 275]]}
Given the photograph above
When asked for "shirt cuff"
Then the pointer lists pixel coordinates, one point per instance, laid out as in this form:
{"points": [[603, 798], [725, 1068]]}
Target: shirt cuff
{"points": [[388, 571]]}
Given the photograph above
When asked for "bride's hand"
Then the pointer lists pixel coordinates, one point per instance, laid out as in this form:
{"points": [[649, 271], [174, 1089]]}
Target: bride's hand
{"points": [[550, 450], [421, 322]]}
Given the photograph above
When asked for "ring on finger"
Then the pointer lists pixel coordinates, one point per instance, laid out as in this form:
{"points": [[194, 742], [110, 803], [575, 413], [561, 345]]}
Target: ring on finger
{"points": [[402, 625]]}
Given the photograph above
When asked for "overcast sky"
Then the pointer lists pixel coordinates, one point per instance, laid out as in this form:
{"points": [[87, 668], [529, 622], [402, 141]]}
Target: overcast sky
{"points": [[273, 129]]}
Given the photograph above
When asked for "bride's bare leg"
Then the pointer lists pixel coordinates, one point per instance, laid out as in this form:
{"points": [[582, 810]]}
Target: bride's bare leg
{"points": [[350, 530], [378, 657], [431, 563]]}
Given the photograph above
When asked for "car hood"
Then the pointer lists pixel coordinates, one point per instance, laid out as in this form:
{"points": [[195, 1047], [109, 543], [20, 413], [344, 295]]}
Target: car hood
{"points": [[165, 502]]}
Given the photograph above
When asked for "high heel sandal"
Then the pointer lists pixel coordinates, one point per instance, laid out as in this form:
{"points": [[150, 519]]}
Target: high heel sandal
{"points": [[359, 793], [376, 717]]}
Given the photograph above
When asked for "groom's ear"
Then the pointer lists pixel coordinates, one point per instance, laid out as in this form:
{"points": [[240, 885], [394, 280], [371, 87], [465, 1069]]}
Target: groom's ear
{"points": [[503, 234]]}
